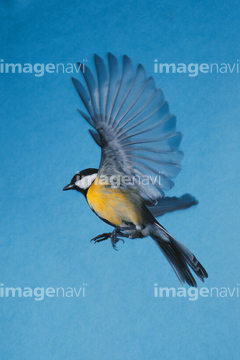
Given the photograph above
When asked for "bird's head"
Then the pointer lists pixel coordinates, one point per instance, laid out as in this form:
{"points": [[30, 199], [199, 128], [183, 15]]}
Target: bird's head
{"points": [[82, 180]]}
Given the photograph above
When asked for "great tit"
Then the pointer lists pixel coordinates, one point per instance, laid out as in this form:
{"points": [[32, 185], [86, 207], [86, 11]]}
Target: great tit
{"points": [[139, 157]]}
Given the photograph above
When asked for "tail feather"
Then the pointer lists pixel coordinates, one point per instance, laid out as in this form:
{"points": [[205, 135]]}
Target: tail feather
{"points": [[179, 257]]}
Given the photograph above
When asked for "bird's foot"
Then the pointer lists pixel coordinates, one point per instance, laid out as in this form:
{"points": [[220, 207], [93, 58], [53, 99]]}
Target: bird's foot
{"points": [[114, 236], [101, 237]]}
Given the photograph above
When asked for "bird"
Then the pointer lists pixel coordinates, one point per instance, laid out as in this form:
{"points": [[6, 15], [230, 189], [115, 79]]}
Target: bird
{"points": [[140, 157]]}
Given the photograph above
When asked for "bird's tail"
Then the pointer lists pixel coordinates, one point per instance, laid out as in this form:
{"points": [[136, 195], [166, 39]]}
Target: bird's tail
{"points": [[179, 257]]}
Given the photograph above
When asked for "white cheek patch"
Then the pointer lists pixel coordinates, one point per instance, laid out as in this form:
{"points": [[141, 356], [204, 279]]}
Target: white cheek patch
{"points": [[85, 182]]}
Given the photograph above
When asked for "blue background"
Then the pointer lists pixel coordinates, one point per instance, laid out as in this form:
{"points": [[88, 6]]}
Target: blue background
{"points": [[45, 233]]}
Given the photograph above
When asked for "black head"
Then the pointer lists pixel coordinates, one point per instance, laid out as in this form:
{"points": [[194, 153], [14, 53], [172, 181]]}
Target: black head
{"points": [[82, 180]]}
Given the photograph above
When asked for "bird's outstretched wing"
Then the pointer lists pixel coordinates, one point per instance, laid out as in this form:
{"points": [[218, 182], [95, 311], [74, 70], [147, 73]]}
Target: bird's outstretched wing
{"points": [[134, 128]]}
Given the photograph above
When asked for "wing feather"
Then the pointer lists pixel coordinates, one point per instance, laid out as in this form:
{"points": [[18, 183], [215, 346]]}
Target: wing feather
{"points": [[92, 88], [103, 84], [84, 96], [115, 78]]}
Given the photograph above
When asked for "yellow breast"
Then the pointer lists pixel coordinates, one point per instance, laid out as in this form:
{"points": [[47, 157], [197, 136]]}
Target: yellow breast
{"points": [[114, 205]]}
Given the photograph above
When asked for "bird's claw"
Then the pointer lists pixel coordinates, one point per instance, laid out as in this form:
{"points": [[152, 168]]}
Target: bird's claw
{"points": [[115, 240], [101, 237]]}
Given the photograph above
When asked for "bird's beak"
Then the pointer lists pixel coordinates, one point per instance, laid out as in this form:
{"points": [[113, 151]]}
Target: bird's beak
{"points": [[68, 187]]}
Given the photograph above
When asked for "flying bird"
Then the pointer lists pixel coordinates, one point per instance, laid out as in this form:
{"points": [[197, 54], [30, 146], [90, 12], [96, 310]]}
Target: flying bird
{"points": [[139, 158]]}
